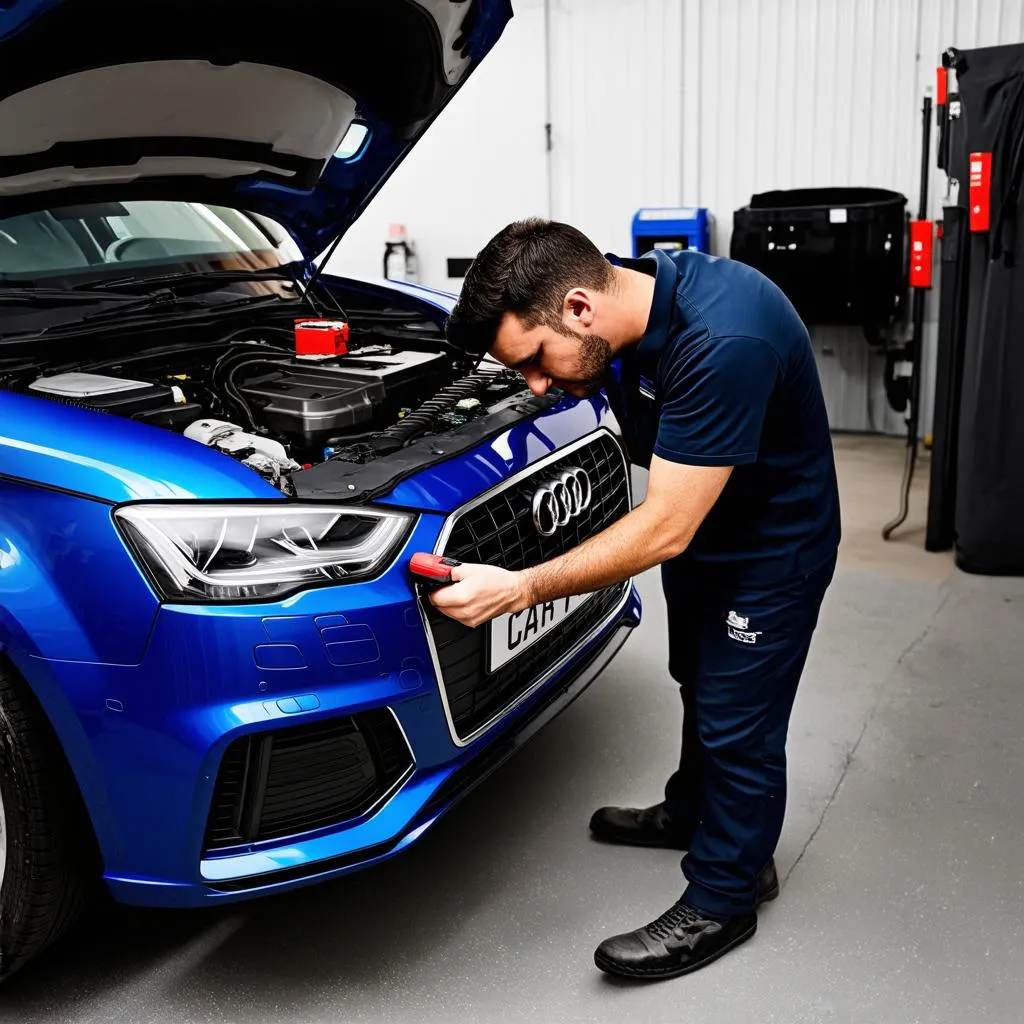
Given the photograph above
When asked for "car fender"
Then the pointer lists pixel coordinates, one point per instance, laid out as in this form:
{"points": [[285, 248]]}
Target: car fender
{"points": [[69, 727], [69, 588]]}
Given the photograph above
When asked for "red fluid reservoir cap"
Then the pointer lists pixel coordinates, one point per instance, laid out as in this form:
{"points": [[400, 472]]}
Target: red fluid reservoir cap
{"points": [[321, 337]]}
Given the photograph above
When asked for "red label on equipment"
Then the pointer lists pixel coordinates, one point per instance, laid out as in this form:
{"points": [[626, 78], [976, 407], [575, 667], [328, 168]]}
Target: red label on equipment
{"points": [[941, 86], [921, 254], [980, 189]]}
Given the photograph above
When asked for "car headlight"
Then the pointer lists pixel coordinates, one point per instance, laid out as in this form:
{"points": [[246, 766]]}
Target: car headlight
{"points": [[210, 553]]}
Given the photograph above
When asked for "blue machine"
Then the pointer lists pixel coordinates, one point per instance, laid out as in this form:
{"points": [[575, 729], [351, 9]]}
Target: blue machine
{"points": [[671, 228]]}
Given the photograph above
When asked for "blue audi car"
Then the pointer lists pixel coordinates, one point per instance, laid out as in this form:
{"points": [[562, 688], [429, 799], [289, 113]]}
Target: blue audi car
{"points": [[218, 678]]}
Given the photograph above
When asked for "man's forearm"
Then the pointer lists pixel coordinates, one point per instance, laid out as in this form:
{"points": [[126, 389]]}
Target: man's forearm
{"points": [[636, 542], [678, 499]]}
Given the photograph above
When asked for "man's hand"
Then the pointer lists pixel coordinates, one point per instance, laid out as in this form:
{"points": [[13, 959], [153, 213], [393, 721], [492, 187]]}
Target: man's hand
{"points": [[481, 593]]}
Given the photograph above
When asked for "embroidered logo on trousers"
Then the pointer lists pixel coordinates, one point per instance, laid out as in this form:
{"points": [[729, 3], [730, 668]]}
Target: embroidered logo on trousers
{"points": [[738, 628]]}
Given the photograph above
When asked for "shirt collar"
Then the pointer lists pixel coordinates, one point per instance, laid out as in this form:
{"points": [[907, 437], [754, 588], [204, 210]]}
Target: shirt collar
{"points": [[663, 304]]}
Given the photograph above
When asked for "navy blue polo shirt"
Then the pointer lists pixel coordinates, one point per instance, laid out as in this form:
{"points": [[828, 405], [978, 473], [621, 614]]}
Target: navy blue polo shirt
{"points": [[724, 375]]}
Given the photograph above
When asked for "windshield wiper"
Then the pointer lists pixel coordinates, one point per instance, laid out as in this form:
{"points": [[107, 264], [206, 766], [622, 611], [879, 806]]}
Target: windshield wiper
{"points": [[189, 276], [130, 305], [57, 296]]}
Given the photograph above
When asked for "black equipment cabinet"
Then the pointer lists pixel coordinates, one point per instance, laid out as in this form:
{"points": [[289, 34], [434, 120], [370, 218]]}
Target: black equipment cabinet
{"points": [[838, 253]]}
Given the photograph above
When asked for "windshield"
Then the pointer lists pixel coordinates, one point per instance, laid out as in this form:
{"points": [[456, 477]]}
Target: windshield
{"points": [[97, 240]]}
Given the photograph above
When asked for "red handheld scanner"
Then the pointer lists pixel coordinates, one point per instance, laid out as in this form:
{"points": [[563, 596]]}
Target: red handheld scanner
{"points": [[432, 571]]}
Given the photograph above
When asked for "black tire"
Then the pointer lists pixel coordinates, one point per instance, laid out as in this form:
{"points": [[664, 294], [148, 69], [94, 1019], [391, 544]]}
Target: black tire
{"points": [[50, 863]]}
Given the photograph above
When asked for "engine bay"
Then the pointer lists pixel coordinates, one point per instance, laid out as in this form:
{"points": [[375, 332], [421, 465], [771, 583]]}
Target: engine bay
{"points": [[252, 396]]}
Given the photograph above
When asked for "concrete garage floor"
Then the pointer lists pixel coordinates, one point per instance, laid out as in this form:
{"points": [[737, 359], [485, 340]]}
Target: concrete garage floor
{"points": [[903, 893]]}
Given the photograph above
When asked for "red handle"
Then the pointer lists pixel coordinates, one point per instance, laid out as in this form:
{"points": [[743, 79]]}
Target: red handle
{"points": [[433, 570]]}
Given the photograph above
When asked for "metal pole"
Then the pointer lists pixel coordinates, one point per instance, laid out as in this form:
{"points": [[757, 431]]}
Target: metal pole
{"points": [[916, 341], [548, 110]]}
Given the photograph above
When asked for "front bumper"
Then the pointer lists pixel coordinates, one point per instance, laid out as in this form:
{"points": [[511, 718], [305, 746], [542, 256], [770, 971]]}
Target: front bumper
{"points": [[160, 781], [159, 733], [420, 802]]}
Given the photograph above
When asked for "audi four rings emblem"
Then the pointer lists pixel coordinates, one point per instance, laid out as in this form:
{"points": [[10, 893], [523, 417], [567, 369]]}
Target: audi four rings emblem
{"points": [[561, 498]]}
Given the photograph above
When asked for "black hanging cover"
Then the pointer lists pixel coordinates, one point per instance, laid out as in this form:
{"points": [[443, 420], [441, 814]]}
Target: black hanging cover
{"points": [[990, 472], [949, 369]]}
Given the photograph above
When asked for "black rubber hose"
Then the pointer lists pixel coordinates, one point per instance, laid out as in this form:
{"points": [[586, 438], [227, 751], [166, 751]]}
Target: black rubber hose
{"points": [[165, 352], [236, 394], [244, 352]]}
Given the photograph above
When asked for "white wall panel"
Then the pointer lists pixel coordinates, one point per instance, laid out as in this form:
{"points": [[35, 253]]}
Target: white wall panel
{"points": [[617, 79]]}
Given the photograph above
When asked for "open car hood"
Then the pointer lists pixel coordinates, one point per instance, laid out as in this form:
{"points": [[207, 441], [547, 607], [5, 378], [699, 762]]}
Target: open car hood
{"points": [[240, 103]]}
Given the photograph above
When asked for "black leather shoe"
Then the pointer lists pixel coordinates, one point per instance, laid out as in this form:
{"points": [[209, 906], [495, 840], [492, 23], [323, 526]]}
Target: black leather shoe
{"points": [[647, 826], [680, 941]]}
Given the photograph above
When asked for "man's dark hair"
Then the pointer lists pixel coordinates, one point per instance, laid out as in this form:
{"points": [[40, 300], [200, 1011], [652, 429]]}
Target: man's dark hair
{"points": [[525, 269]]}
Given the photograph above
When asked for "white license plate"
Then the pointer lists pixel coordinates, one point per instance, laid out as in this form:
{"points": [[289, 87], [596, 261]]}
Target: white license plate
{"points": [[513, 634]]}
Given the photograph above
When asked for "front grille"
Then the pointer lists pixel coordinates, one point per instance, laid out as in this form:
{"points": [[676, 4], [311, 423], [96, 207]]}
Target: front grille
{"points": [[289, 781], [500, 531]]}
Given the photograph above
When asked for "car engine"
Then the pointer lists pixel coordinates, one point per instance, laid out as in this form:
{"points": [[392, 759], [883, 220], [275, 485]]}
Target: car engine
{"points": [[253, 399]]}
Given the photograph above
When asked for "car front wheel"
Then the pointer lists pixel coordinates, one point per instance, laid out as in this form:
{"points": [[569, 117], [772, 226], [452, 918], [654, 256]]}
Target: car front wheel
{"points": [[46, 852]]}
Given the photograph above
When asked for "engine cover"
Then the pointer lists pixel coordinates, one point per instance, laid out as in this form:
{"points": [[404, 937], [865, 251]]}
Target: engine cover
{"points": [[315, 401]]}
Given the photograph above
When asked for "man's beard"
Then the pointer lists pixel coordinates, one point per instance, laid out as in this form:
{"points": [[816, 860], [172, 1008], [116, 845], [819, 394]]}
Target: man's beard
{"points": [[595, 356]]}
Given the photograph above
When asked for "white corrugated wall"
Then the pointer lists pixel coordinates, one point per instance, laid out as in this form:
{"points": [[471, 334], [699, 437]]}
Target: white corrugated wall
{"points": [[704, 102]]}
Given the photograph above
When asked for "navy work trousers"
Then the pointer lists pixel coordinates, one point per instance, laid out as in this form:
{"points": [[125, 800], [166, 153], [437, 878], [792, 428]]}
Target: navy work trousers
{"points": [[737, 653]]}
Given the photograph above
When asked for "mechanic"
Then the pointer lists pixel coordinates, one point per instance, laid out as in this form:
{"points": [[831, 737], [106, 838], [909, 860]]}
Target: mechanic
{"points": [[718, 396]]}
